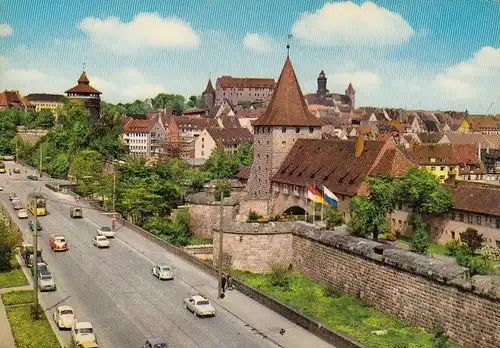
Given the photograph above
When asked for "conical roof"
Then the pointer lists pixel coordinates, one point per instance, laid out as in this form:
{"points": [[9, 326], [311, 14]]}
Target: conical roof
{"points": [[287, 106], [210, 88], [349, 89], [83, 78], [322, 75]]}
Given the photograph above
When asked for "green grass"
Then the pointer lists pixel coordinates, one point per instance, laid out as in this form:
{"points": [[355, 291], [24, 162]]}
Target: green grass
{"points": [[340, 311], [13, 277], [17, 297], [29, 333], [434, 248], [199, 240]]}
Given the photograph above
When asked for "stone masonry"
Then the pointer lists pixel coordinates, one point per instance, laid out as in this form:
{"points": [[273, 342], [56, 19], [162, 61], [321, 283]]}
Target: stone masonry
{"points": [[422, 291]]}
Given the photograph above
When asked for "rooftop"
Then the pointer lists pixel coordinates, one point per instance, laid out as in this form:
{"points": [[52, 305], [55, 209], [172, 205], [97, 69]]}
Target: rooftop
{"points": [[244, 82]]}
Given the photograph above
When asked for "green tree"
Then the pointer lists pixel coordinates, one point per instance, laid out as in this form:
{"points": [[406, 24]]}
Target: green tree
{"points": [[86, 168], [473, 240], [174, 101], [44, 120], [195, 102], [9, 239], [244, 154], [333, 218], [222, 188], [420, 238]]}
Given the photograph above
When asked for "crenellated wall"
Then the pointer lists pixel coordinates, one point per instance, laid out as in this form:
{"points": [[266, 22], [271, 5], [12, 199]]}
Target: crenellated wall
{"points": [[423, 291]]}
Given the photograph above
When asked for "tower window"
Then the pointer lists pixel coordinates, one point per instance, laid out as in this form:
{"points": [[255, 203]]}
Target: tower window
{"points": [[269, 129], [311, 129], [297, 130], [283, 130]]}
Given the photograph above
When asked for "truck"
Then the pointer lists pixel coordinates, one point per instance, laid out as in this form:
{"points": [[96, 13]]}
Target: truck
{"points": [[27, 254]]}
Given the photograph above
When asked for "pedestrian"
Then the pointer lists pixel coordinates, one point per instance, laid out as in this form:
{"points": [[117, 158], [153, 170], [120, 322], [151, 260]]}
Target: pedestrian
{"points": [[229, 282], [223, 285]]}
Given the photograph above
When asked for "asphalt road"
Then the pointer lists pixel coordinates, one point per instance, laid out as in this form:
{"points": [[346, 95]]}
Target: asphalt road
{"points": [[114, 289]]}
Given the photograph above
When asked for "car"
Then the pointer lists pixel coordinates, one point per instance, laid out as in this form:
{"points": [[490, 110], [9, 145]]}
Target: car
{"points": [[101, 242], [1, 188], [64, 316], [155, 343], [17, 205], [46, 282], [32, 177], [76, 212], [163, 272], [58, 242], [42, 267], [82, 331], [12, 196], [38, 225], [17, 170], [88, 345], [199, 305], [22, 214], [106, 232]]}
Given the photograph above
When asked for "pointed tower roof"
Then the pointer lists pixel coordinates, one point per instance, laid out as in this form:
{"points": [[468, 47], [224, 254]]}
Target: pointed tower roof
{"points": [[350, 89], [210, 88], [287, 106], [83, 79], [322, 75]]}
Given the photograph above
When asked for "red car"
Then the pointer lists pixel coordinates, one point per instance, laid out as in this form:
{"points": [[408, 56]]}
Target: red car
{"points": [[58, 242]]}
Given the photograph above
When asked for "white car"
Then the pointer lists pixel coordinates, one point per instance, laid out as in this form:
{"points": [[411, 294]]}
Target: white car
{"points": [[101, 242], [22, 214], [106, 232], [199, 305], [163, 272], [46, 281], [82, 331], [64, 316], [1, 188]]}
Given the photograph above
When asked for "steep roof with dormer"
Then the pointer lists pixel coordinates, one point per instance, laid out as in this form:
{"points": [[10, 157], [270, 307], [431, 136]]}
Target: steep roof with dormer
{"points": [[288, 106], [83, 86]]}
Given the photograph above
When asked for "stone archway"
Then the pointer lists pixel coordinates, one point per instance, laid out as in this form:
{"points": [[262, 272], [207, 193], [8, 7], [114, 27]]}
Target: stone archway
{"points": [[294, 210]]}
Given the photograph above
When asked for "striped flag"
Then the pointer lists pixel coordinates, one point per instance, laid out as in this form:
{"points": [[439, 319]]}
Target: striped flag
{"points": [[315, 196], [330, 197]]}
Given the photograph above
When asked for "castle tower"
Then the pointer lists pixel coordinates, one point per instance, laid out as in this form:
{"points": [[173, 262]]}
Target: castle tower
{"points": [[285, 120], [321, 92], [89, 95], [209, 95], [351, 93]]}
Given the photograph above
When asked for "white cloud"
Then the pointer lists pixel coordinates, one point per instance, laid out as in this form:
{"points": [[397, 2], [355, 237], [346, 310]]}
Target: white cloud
{"points": [[143, 91], [145, 30], [258, 42], [360, 79], [5, 29], [348, 23], [25, 75], [478, 77], [102, 84]]}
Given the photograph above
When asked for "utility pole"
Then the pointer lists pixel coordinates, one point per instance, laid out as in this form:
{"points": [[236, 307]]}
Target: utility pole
{"points": [[113, 220], [220, 242], [41, 156], [35, 260], [17, 157]]}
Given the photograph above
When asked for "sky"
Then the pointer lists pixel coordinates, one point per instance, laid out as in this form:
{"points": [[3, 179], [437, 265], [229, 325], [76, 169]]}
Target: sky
{"points": [[414, 54]]}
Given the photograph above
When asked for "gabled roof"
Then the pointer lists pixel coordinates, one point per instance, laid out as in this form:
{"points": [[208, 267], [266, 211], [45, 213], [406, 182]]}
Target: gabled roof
{"points": [[430, 138], [209, 88], [287, 106], [51, 98], [467, 196], [140, 125], [444, 154], [468, 138], [230, 136], [482, 123], [431, 125], [13, 99], [393, 162], [244, 82]]}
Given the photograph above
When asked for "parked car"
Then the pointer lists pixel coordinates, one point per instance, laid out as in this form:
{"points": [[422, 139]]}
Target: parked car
{"points": [[155, 343], [199, 305], [75, 212], [88, 345], [42, 267], [22, 214], [33, 177], [64, 316], [12, 196], [17, 205], [106, 232], [163, 272], [46, 282], [58, 242], [101, 242], [82, 331], [17, 170], [38, 225]]}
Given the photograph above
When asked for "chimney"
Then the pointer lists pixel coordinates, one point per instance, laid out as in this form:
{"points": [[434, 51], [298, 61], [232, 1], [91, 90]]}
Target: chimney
{"points": [[479, 150], [360, 145]]}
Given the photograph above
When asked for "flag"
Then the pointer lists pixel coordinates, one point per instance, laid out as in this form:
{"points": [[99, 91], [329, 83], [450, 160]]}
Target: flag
{"points": [[315, 196], [330, 197]]}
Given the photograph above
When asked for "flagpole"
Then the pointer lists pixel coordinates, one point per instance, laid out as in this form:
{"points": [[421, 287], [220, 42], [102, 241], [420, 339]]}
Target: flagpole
{"points": [[314, 204], [322, 203], [306, 202]]}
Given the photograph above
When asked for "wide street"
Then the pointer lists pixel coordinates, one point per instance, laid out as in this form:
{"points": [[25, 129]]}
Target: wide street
{"points": [[114, 289]]}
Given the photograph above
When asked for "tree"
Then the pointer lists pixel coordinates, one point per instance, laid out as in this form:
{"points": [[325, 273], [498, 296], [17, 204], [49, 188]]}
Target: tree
{"points": [[222, 187], [420, 238], [86, 167], [9, 239], [44, 120], [195, 102], [244, 154], [333, 218], [174, 101], [472, 239]]}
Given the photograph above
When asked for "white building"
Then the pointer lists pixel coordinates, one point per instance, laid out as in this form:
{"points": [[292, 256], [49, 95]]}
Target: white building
{"points": [[144, 137]]}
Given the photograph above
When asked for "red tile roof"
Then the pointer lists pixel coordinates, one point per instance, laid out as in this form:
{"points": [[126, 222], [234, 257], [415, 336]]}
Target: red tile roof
{"points": [[244, 82], [13, 99], [477, 198], [83, 78], [83, 86], [343, 173], [140, 125], [250, 113], [483, 123], [288, 106], [230, 136]]}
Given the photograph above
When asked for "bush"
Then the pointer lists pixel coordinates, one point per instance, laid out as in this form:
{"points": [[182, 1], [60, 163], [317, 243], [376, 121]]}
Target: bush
{"points": [[454, 247], [222, 187], [490, 253], [253, 216], [419, 242], [333, 218], [477, 265], [9, 239], [280, 276], [472, 239]]}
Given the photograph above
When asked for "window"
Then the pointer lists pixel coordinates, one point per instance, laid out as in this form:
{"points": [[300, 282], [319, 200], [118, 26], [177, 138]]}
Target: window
{"points": [[461, 217], [269, 129], [452, 234], [433, 168], [311, 129], [202, 139], [443, 168], [441, 177], [469, 218], [202, 153], [452, 168], [478, 219], [498, 223], [297, 130], [283, 130]]}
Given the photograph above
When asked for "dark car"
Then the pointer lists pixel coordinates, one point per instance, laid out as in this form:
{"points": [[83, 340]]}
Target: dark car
{"points": [[33, 177], [38, 225], [155, 343]]}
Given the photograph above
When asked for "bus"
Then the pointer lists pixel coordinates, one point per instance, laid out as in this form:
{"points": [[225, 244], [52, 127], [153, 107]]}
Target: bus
{"points": [[2, 167], [40, 209]]}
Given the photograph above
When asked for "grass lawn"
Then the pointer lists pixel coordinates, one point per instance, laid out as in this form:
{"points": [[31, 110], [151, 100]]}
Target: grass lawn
{"points": [[17, 297], [13, 277], [433, 247], [199, 240], [340, 311]]}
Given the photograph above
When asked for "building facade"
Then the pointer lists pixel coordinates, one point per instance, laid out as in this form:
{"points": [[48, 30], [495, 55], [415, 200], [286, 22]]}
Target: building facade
{"points": [[243, 89], [90, 96], [144, 137], [227, 139], [14, 99], [49, 102]]}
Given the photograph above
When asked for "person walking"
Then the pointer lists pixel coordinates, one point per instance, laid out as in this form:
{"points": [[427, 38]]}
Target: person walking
{"points": [[224, 284]]}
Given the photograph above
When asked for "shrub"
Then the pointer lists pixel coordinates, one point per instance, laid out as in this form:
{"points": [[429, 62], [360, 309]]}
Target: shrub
{"points": [[36, 311], [472, 239], [253, 216], [419, 242], [476, 264], [280, 276], [490, 253], [222, 187], [454, 247], [9, 239], [333, 218]]}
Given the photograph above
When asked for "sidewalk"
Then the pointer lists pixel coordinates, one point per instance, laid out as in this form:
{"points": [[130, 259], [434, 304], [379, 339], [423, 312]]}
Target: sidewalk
{"points": [[6, 338]]}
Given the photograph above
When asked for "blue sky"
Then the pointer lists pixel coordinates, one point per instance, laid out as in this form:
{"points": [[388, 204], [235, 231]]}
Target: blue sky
{"points": [[436, 54]]}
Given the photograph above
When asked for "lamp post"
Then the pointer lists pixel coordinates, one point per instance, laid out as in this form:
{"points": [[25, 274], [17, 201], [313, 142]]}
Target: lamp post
{"points": [[221, 255], [35, 258]]}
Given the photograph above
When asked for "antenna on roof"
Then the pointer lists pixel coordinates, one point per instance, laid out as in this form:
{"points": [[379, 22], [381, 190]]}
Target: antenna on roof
{"points": [[83, 66], [288, 45]]}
